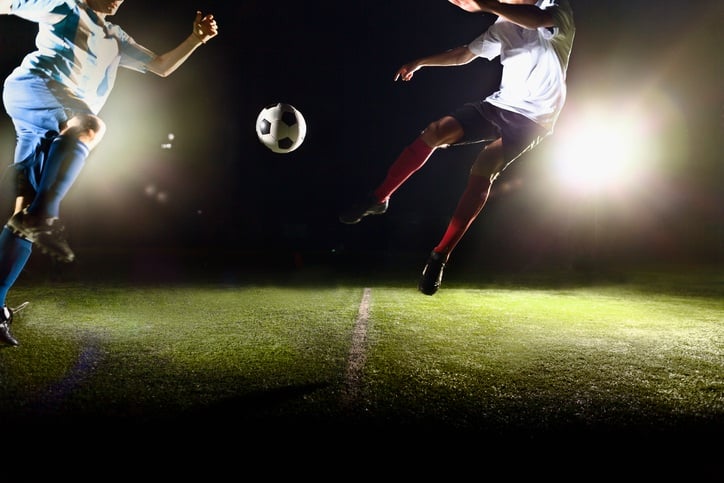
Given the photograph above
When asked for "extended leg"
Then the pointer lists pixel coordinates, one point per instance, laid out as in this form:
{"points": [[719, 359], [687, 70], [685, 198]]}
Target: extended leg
{"points": [[444, 131], [484, 171], [39, 223]]}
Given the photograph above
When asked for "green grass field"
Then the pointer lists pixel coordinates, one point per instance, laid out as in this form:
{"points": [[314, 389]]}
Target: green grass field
{"points": [[522, 361]]}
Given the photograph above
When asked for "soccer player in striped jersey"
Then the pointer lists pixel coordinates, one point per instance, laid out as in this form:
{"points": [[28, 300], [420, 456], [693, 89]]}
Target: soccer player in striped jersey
{"points": [[54, 98]]}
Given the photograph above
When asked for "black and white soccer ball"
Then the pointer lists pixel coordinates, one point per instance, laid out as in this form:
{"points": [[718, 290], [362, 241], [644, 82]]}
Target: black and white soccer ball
{"points": [[281, 127]]}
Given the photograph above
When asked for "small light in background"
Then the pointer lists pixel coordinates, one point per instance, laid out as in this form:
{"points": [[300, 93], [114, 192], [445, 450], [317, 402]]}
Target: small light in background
{"points": [[169, 144]]}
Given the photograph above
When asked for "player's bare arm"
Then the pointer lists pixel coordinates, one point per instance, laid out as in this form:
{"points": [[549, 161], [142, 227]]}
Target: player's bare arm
{"points": [[457, 56], [204, 29], [521, 12]]}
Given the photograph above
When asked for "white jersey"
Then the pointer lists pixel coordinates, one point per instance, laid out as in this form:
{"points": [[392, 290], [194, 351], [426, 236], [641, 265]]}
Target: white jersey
{"points": [[534, 64], [78, 49]]}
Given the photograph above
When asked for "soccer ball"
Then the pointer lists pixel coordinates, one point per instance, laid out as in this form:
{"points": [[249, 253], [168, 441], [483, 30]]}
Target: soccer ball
{"points": [[281, 127]]}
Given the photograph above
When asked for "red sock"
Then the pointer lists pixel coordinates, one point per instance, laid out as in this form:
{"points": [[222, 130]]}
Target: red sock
{"points": [[412, 158], [470, 204]]}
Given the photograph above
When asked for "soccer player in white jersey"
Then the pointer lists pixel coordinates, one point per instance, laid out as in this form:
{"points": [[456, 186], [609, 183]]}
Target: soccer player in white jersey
{"points": [[533, 39], [54, 98]]}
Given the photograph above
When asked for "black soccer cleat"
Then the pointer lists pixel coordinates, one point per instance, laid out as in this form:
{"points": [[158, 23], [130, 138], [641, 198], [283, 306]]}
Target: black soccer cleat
{"points": [[6, 319], [47, 233], [431, 278], [369, 206]]}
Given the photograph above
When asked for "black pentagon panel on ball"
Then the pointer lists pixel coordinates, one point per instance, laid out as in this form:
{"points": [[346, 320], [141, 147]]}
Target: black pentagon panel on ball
{"points": [[264, 127], [289, 118], [286, 143]]}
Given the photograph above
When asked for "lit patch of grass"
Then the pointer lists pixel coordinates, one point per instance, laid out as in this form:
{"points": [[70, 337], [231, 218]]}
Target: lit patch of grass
{"points": [[165, 349], [532, 358], [521, 358]]}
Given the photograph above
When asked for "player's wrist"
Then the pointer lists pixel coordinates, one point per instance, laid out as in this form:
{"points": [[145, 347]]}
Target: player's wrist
{"points": [[198, 37]]}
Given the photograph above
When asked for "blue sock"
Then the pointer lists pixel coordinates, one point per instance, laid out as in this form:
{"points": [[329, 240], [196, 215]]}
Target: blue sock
{"points": [[66, 158], [14, 254]]}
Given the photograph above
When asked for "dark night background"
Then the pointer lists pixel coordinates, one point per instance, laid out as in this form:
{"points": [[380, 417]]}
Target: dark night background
{"points": [[218, 191]]}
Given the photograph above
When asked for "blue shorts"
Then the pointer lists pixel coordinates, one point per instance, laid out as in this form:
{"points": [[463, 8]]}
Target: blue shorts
{"points": [[484, 122], [38, 108]]}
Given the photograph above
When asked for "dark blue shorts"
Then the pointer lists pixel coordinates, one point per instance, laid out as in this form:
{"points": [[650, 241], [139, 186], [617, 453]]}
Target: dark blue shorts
{"points": [[484, 122], [38, 108]]}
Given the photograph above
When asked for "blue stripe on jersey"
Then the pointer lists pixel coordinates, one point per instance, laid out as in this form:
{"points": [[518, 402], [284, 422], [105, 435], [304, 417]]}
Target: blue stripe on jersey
{"points": [[78, 49]]}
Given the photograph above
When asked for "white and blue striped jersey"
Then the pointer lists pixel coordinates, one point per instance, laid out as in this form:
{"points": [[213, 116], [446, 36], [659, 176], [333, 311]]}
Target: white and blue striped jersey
{"points": [[78, 49]]}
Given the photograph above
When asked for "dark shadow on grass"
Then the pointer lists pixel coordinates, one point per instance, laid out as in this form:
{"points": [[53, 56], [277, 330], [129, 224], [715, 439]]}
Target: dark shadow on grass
{"points": [[401, 269], [253, 410], [251, 407]]}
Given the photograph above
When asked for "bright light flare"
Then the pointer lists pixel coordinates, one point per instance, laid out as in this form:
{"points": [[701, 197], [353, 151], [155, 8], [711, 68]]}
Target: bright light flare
{"points": [[598, 149]]}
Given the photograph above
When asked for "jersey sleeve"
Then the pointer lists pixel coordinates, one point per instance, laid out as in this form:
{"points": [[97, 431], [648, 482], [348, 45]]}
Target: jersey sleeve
{"points": [[486, 45], [564, 32], [563, 17], [40, 11], [134, 56]]}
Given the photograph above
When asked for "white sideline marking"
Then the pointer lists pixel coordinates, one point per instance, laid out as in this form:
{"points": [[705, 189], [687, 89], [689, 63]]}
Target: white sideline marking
{"points": [[357, 351]]}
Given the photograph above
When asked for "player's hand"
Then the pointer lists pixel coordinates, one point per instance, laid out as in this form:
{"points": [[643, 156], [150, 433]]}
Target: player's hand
{"points": [[406, 72], [474, 5], [205, 27]]}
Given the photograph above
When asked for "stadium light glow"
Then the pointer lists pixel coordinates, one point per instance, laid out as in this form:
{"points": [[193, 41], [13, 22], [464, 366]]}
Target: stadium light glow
{"points": [[601, 149]]}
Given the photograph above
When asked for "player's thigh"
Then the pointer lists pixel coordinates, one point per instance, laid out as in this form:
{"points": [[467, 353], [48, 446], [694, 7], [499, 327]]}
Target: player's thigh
{"points": [[490, 161], [446, 130]]}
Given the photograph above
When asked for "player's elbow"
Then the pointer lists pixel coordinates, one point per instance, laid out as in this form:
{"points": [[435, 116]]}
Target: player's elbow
{"points": [[160, 72], [463, 55], [159, 67]]}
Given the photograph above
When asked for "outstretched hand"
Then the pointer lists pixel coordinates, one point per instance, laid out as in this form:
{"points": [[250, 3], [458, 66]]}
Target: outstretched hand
{"points": [[406, 72], [205, 27]]}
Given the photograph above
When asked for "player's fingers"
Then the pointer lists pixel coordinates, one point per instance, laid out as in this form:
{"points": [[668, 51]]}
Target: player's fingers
{"points": [[209, 20]]}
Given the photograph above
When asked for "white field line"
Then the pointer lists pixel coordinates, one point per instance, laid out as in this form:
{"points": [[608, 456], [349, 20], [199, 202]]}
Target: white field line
{"points": [[357, 350]]}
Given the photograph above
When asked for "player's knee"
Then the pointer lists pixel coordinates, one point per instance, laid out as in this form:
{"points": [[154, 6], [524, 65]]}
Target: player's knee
{"points": [[442, 132], [87, 128]]}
